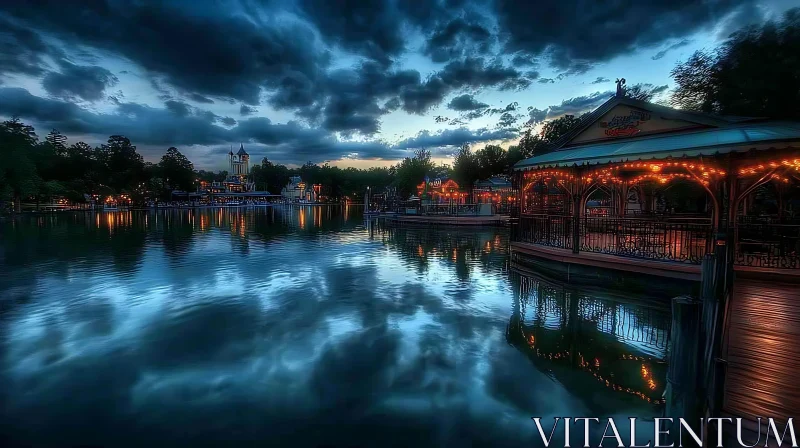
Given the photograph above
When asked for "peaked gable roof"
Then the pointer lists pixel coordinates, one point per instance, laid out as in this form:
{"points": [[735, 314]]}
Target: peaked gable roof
{"points": [[706, 141], [687, 118]]}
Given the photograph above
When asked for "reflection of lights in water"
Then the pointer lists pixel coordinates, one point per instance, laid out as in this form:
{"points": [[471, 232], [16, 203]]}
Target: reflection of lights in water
{"points": [[531, 340], [596, 362], [616, 387], [646, 374], [420, 252]]}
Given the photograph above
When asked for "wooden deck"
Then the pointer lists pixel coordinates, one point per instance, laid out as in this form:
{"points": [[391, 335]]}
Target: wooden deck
{"points": [[763, 351], [762, 342], [494, 220], [683, 271]]}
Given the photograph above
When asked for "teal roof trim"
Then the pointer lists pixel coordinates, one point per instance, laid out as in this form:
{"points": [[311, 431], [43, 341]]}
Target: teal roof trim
{"points": [[740, 137]]}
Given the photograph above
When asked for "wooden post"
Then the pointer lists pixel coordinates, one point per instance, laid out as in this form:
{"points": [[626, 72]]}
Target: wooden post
{"points": [[682, 378], [578, 191], [572, 328], [576, 223]]}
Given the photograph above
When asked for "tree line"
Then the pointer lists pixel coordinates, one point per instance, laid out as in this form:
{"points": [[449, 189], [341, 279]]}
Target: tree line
{"points": [[755, 72]]}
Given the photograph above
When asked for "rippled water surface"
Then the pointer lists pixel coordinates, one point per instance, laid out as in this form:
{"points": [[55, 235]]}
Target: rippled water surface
{"points": [[304, 327]]}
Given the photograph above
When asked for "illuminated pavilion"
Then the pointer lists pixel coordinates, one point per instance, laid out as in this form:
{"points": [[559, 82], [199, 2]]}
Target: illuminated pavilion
{"points": [[739, 235], [630, 153]]}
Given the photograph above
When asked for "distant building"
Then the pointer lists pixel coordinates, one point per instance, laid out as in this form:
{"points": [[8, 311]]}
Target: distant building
{"points": [[236, 187], [297, 190], [441, 190], [238, 180], [493, 189]]}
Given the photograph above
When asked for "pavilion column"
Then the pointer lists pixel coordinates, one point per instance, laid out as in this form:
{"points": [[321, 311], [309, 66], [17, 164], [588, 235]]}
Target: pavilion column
{"points": [[780, 190], [578, 206], [645, 198], [623, 199], [717, 284]]}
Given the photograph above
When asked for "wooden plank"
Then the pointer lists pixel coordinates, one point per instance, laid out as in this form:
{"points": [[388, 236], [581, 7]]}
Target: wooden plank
{"points": [[763, 351]]}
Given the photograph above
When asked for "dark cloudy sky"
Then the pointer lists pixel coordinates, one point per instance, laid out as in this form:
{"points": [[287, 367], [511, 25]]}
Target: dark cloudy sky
{"points": [[356, 83]]}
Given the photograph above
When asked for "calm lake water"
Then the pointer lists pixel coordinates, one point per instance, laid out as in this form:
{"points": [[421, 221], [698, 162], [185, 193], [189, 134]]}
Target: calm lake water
{"points": [[303, 327]]}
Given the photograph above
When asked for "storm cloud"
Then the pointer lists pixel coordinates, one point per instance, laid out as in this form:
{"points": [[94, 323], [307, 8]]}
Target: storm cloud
{"points": [[465, 102], [454, 137], [178, 124], [676, 45], [579, 104], [339, 68], [567, 32], [74, 81]]}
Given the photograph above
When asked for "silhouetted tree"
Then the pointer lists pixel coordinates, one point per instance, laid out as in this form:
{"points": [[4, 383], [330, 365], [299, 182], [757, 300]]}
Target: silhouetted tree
{"points": [[492, 160], [412, 171], [756, 72], [466, 167], [177, 171], [18, 175]]}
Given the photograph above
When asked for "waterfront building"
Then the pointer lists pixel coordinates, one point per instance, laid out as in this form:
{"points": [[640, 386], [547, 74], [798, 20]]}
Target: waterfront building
{"points": [[441, 191], [297, 190], [699, 197], [495, 188], [238, 180], [237, 187]]}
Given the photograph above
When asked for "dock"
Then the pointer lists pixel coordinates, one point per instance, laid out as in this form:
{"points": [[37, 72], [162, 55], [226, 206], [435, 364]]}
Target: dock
{"points": [[422, 220]]}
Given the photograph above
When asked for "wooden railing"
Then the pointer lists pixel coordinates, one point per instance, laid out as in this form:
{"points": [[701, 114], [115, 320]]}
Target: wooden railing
{"points": [[449, 209]]}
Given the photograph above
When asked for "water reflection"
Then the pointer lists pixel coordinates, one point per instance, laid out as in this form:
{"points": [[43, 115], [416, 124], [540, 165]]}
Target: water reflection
{"points": [[621, 343], [261, 326]]}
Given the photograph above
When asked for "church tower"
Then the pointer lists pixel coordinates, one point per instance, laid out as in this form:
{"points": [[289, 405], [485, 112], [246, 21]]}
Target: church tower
{"points": [[244, 160]]}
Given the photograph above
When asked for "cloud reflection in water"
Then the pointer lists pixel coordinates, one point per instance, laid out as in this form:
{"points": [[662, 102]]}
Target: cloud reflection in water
{"points": [[266, 326]]}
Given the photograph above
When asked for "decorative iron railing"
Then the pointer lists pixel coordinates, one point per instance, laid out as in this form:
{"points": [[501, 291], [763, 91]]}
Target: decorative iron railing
{"points": [[547, 230], [545, 306], [767, 245], [450, 209], [634, 324], [638, 238]]}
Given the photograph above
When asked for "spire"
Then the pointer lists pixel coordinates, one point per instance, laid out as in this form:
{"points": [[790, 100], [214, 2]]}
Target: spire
{"points": [[231, 153], [242, 152]]}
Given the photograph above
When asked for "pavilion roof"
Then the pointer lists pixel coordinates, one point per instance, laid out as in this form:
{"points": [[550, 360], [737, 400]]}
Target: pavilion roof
{"points": [[697, 118], [494, 181], [699, 142]]}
